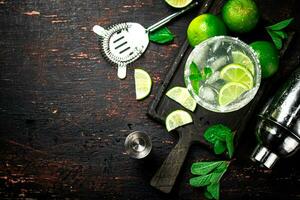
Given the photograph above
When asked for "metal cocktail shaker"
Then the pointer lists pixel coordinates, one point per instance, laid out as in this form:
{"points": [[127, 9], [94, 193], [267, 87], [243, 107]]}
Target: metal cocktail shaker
{"points": [[278, 130]]}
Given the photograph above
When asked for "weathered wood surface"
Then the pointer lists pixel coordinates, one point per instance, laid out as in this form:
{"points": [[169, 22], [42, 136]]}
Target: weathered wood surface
{"points": [[64, 114]]}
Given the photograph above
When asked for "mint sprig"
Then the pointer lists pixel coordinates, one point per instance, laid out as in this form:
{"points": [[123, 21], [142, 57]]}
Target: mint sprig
{"points": [[210, 176], [196, 75], [161, 36], [221, 137], [276, 32]]}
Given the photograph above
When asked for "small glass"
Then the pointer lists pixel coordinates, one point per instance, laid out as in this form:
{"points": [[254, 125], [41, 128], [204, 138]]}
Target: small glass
{"points": [[216, 53]]}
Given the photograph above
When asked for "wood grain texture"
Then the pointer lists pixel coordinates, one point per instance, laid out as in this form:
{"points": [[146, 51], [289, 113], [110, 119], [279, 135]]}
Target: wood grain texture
{"points": [[64, 114]]}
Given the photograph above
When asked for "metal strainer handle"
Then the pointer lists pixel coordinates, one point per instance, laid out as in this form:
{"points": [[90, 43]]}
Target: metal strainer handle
{"points": [[122, 71], [170, 17]]}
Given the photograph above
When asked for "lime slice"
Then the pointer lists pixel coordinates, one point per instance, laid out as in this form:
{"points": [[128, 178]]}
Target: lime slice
{"points": [[178, 3], [143, 83], [177, 118], [240, 58], [182, 96], [237, 73], [230, 92]]}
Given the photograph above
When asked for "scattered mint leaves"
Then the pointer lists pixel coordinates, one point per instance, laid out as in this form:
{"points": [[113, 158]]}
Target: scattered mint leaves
{"points": [[276, 39], [281, 34], [276, 32], [203, 168], [230, 145], [221, 137], [214, 190], [208, 195], [161, 36], [219, 147], [280, 25], [210, 176]]}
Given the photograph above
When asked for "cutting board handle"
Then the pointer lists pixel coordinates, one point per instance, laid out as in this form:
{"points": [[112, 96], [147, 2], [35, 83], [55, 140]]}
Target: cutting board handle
{"points": [[166, 175]]}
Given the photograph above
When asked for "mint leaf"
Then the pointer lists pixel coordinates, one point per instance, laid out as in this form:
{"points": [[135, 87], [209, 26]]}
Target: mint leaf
{"points": [[219, 147], [230, 145], [195, 76], [216, 170], [216, 132], [281, 34], [200, 180], [207, 179], [203, 168], [161, 36], [221, 137], [222, 167], [280, 25], [206, 73], [276, 39], [214, 190], [208, 195]]}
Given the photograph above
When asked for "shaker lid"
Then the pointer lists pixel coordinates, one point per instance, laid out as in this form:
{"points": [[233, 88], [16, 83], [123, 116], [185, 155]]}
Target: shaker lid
{"points": [[264, 156]]}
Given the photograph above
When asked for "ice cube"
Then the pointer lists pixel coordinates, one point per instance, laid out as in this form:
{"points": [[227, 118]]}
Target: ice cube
{"points": [[218, 63], [229, 49], [216, 46], [207, 93], [213, 78], [199, 56], [218, 84]]}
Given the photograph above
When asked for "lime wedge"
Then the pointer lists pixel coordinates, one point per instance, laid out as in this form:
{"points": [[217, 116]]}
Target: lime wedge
{"points": [[240, 58], [143, 83], [178, 3], [182, 96], [177, 118], [237, 73], [230, 92]]}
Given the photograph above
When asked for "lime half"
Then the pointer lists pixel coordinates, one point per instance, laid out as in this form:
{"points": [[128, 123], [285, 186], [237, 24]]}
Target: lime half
{"points": [[240, 58], [177, 118], [182, 96], [143, 83], [230, 92], [237, 73], [178, 3]]}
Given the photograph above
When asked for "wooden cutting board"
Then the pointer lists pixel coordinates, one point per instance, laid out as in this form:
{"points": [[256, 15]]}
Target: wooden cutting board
{"points": [[161, 106]]}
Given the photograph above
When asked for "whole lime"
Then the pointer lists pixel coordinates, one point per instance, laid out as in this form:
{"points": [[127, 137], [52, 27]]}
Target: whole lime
{"points": [[268, 57], [203, 27], [240, 15]]}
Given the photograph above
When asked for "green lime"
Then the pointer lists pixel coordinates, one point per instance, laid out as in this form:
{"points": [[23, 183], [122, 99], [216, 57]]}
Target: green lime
{"points": [[177, 118], [268, 57], [237, 73], [203, 27], [240, 15], [178, 3], [230, 92], [182, 96], [143, 83], [242, 59]]}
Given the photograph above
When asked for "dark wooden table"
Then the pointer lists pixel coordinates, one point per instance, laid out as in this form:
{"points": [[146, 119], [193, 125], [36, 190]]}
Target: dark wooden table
{"points": [[64, 114]]}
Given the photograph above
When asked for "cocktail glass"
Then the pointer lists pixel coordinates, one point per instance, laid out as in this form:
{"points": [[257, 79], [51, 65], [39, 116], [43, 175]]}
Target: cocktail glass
{"points": [[212, 56]]}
